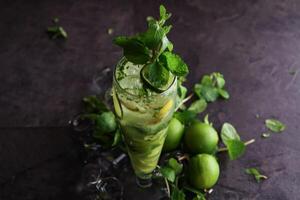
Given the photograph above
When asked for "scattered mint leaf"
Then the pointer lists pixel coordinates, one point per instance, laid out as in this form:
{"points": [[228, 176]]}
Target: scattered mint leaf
{"points": [[211, 87], [134, 49], [236, 148], [198, 106], [93, 105], [223, 93], [195, 191], [209, 93], [177, 194], [219, 79], [174, 63], [168, 172], [57, 31], [275, 125], [175, 165], [266, 135], [228, 132], [170, 46], [185, 116], [256, 174]]}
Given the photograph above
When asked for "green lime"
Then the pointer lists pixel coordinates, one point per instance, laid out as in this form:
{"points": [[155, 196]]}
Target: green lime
{"points": [[203, 171], [106, 122], [201, 138], [174, 134]]}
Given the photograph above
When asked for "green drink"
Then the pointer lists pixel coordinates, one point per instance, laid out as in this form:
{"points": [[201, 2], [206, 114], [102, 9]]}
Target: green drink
{"points": [[145, 92], [143, 115]]}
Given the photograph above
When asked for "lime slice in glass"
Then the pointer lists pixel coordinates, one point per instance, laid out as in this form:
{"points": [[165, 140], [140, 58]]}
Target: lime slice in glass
{"points": [[117, 105]]}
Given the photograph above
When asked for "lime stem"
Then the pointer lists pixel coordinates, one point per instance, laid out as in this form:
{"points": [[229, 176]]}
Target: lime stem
{"points": [[183, 101], [246, 143], [168, 187], [184, 157]]}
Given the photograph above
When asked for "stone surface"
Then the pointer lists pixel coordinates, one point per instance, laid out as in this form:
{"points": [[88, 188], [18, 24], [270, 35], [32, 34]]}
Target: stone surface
{"points": [[255, 44]]}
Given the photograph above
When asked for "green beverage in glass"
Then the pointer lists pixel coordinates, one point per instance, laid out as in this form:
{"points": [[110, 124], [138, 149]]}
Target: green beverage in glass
{"points": [[145, 93], [143, 116]]}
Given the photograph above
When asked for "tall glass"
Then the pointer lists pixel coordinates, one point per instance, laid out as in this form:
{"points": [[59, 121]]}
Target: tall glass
{"points": [[144, 116]]}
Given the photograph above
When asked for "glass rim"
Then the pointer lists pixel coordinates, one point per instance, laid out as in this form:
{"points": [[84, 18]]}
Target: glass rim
{"points": [[155, 94]]}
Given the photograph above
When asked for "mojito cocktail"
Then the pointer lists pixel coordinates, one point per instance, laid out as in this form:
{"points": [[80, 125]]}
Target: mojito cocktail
{"points": [[143, 115], [145, 92]]}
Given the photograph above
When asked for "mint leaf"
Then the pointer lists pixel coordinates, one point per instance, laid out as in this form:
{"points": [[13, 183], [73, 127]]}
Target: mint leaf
{"points": [[236, 148], [275, 125], [199, 197], [198, 106], [223, 93], [209, 93], [57, 31], [177, 194], [228, 132], [256, 174], [219, 79], [155, 75], [174, 63], [168, 173], [175, 165], [153, 36], [93, 105], [185, 116], [134, 49], [164, 16]]}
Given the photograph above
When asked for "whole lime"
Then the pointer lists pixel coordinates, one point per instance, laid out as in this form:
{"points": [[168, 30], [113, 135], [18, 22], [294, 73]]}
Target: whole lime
{"points": [[106, 122], [203, 171], [201, 138], [174, 135]]}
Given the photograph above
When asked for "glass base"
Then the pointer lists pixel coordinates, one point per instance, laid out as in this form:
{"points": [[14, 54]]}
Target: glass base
{"points": [[144, 183]]}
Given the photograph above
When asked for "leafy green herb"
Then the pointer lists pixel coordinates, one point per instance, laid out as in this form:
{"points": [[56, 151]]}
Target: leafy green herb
{"points": [[177, 194], [168, 173], [93, 105], [185, 116], [228, 132], [275, 125], [199, 194], [231, 139], [171, 169], [211, 87], [256, 174], [198, 106], [156, 76], [266, 135], [134, 49], [153, 50], [174, 63], [235, 148], [57, 31], [175, 165]]}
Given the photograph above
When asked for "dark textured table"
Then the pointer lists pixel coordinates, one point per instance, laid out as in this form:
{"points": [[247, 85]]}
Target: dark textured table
{"points": [[255, 44]]}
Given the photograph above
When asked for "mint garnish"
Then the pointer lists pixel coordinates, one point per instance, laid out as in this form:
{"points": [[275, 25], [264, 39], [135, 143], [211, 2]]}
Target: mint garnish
{"points": [[154, 50]]}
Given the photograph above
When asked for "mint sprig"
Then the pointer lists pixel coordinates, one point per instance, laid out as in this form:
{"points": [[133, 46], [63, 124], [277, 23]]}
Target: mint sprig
{"points": [[153, 49]]}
